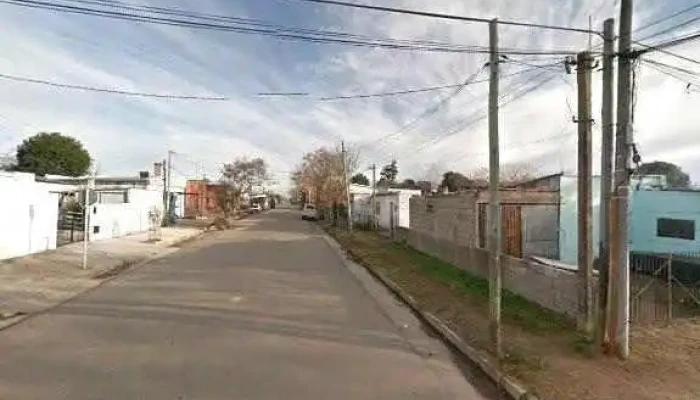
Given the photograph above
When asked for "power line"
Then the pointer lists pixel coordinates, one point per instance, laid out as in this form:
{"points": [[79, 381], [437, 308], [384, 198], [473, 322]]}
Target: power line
{"points": [[432, 109], [671, 43], [401, 92], [654, 23], [112, 91], [672, 28], [277, 32], [448, 16]]}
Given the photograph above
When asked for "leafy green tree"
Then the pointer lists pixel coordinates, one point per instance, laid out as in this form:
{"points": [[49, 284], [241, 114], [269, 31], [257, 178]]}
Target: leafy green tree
{"points": [[675, 177], [52, 153], [359, 179]]}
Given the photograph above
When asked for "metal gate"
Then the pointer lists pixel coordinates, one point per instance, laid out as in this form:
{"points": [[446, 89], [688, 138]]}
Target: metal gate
{"points": [[71, 227]]}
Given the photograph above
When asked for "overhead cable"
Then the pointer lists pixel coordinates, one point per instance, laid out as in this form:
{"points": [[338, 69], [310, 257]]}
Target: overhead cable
{"points": [[277, 32], [112, 91], [449, 16]]}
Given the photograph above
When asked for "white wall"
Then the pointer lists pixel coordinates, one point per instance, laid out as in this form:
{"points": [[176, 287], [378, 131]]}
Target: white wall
{"points": [[384, 203], [568, 218], [114, 220], [28, 216]]}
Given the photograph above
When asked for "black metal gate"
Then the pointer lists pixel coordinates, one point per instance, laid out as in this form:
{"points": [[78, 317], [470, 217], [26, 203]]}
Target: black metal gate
{"points": [[71, 227]]}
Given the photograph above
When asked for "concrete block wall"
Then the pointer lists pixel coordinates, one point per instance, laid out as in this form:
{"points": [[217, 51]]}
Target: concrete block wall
{"points": [[450, 218], [547, 286]]}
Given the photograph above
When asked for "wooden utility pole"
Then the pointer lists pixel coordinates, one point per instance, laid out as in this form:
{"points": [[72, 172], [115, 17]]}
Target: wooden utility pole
{"points": [[606, 165], [374, 196], [494, 220], [347, 185], [623, 140], [585, 242]]}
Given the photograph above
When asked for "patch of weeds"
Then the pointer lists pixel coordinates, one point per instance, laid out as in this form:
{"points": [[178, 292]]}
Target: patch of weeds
{"points": [[583, 345]]}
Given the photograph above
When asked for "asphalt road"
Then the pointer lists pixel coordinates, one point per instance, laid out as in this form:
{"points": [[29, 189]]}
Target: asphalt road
{"points": [[266, 311]]}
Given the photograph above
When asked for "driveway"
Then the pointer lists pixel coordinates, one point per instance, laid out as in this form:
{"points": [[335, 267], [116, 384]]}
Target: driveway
{"points": [[266, 311]]}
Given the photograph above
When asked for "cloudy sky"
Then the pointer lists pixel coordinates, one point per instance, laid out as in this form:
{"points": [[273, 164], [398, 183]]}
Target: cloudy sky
{"points": [[126, 134]]}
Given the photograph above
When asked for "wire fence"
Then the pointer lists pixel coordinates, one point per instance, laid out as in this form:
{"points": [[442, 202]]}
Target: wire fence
{"points": [[664, 288]]}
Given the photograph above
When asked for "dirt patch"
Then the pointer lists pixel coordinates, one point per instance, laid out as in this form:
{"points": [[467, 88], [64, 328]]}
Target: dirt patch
{"points": [[542, 348], [112, 272]]}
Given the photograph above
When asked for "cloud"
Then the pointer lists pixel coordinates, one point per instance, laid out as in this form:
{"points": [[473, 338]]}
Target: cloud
{"points": [[127, 134]]}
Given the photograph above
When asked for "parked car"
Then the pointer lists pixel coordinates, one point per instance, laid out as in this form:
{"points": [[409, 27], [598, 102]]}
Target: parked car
{"points": [[309, 212], [256, 208]]}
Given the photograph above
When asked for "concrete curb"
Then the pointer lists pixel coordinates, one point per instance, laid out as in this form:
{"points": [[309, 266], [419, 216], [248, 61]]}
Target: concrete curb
{"points": [[18, 319], [512, 388]]}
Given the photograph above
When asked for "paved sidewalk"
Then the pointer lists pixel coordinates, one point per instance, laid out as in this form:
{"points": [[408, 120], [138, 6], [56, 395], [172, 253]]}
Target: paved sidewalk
{"points": [[36, 282]]}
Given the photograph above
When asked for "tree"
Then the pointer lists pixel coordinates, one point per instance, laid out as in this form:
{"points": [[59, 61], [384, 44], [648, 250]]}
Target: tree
{"points": [[424, 186], [407, 184], [389, 173], [52, 153], [359, 179], [675, 177], [239, 178], [321, 177], [454, 182], [510, 173]]}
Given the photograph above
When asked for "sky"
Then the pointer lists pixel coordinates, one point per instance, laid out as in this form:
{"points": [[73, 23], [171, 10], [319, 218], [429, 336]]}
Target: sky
{"points": [[126, 134]]}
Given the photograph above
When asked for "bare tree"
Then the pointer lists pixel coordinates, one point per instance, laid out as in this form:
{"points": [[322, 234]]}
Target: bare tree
{"points": [[321, 175], [239, 178], [512, 173]]}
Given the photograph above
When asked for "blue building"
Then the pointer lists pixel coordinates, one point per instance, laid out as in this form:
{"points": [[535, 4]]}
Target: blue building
{"points": [[661, 220]]}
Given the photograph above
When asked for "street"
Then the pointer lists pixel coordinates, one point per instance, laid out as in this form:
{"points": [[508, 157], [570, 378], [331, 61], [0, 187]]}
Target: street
{"points": [[265, 311]]}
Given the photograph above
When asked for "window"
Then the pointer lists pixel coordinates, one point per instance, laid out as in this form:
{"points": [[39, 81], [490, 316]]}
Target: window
{"points": [[675, 228]]}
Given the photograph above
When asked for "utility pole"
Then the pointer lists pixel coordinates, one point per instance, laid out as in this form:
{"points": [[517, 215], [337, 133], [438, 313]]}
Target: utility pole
{"points": [[168, 180], [374, 196], [164, 168], [585, 242], [494, 236], [623, 140], [347, 185], [606, 166], [89, 184]]}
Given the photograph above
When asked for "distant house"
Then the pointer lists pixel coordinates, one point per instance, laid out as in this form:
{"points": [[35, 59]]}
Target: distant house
{"points": [[392, 205]]}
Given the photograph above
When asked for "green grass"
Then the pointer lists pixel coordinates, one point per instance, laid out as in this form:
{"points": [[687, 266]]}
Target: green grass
{"points": [[515, 307]]}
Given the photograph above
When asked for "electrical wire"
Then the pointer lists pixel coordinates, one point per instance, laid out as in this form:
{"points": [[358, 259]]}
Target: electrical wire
{"points": [[664, 19], [400, 92], [671, 43], [112, 91], [448, 16], [671, 28], [469, 123], [280, 33], [432, 109]]}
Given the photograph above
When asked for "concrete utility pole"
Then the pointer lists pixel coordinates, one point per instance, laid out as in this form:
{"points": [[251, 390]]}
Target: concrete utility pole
{"points": [[623, 140], [347, 185], [374, 195], [585, 242], [168, 184], [89, 184], [494, 236], [606, 166], [166, 165]]}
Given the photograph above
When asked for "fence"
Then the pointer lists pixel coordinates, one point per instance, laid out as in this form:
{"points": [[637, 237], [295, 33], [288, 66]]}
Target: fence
{"points": [[664, 287], [71, 227]]}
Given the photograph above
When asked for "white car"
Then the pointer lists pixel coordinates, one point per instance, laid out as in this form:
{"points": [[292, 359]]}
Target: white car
{"points": [[256, 208], [309, 212]]}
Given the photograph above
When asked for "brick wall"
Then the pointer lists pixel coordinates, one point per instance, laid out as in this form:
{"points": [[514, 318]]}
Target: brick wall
{"points": [[450, 217]]}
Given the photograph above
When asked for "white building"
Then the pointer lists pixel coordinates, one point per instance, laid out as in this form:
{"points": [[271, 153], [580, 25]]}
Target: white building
{"points": [[386, 200], [28, 215]]}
